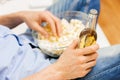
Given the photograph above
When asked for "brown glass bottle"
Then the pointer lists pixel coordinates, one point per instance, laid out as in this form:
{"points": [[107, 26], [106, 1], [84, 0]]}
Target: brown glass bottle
{"points": [[88, 36]]}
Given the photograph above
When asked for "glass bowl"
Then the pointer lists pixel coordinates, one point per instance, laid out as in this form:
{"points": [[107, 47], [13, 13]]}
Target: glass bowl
{"points": [[53, 50]]}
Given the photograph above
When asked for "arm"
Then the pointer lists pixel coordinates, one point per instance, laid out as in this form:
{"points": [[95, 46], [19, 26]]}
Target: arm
{"points": [[33, 19], [48, 73], [10, 20]]}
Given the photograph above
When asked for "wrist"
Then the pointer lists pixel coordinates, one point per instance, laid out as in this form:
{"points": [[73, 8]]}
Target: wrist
{"points": [[58, 73], [53, 72], [49, 73], [20, 14], [23, 15]]}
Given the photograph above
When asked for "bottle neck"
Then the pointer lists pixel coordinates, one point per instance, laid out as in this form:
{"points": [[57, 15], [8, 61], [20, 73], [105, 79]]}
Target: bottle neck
{"points": [[92, 19], [93, 22]]}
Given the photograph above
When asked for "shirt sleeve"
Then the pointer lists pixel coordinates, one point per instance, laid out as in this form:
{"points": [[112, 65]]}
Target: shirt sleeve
{"points": [[18, 60]]}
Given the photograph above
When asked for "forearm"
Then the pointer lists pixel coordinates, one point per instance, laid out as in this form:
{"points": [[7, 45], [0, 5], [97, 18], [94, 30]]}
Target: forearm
{"points": [[49, 73], [10, 20]]}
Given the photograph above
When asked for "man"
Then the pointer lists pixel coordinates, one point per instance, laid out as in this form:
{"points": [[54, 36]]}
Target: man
{"points": [[20, 57]]}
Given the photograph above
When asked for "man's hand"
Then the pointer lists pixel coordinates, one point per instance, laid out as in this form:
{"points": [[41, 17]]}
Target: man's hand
{"points": [[33, 19], [74, 63]]}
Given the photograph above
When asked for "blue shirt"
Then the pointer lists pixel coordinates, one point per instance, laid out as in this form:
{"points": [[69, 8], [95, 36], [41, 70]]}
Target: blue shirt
{"points": [[17, 58]]}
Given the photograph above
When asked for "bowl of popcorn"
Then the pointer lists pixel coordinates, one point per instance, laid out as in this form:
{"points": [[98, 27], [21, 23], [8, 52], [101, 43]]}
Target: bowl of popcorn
{"points": [[72, 23]]}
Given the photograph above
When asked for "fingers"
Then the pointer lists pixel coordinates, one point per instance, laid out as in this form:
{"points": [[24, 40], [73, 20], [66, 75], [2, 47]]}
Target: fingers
{"points": [[87, 50], [73, 45], [85, 59], [39, 29], [57, 23], [89, 65], [51, 22], [91, 57], [85, 72], [54, 23], [90, 61]]}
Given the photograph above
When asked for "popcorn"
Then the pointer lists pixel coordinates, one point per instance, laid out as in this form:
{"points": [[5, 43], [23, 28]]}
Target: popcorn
{"points": [[56, 45]]}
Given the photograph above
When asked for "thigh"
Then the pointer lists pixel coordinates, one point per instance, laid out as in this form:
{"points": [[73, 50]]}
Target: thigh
{"points": [[94, 4], [108, 65], [63, 5]]}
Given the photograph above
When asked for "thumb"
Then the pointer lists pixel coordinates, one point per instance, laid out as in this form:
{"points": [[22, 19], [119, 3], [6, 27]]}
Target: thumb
{"points": [[74, 44]]}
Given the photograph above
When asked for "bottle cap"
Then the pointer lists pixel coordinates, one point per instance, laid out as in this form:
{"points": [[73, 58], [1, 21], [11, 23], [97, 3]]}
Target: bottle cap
{"points": [[94, 11]]}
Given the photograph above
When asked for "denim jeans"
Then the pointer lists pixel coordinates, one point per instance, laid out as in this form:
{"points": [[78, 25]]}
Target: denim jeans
{"points": [[74, 5], [108, 65], [108, 62]]}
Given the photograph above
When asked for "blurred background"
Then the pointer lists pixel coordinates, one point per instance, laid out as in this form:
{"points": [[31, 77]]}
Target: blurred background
{"points": [[109, 20]]}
